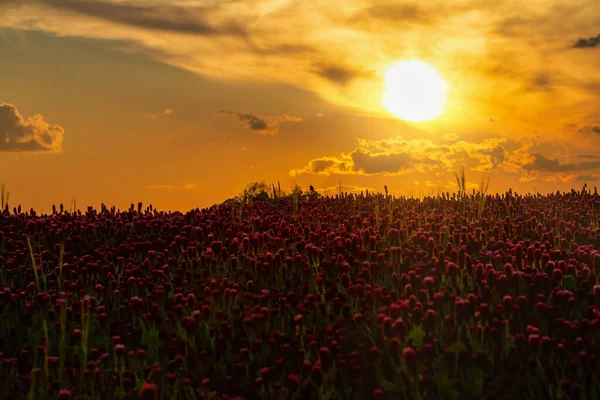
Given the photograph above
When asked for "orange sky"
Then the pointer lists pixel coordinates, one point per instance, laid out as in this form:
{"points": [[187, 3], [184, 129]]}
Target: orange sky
{"points": [[181, 103]]}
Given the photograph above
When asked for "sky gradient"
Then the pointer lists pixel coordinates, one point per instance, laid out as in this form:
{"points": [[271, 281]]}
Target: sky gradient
{"points": [[182, 103]]}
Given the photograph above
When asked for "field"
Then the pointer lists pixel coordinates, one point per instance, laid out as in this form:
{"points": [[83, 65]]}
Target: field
{"points": [[305, 297]]}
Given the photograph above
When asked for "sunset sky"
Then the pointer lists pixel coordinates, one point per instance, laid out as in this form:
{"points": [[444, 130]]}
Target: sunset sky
{"points": [[181, 103]]}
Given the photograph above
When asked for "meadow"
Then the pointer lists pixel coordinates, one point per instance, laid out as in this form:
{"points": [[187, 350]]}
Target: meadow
{"points": [[451, 296]]}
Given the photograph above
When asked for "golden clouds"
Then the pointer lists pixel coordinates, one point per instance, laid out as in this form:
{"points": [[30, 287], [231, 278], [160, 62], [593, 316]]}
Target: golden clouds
{"points": [[430, 164], [32, 135], [489, 53], [399, 156]]}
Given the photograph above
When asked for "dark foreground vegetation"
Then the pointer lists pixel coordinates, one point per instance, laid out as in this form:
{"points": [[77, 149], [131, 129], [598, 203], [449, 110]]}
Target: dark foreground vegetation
{"points": [[305, 297]]}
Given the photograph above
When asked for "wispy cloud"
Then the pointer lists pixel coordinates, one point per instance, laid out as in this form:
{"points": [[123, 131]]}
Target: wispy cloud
{"points": [[489, 54], [193, 20], [541, 163], [339, 75], [163, 114], [31, 135], [261, 126]]}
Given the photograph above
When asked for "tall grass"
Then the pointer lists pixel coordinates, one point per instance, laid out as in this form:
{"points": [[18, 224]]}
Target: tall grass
{"points": [[377, 216], [4, 195], [461, 180], [295, 197], [34, 264], [483, 188], [479, 196]]}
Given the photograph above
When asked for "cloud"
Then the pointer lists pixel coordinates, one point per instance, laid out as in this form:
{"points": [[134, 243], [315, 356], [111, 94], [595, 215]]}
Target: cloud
{"points": [[399, 156], [543, 164], [592, 156], [261, 126], [162, 17], [490, 54], [539, 82], [528, 176], [496, 155], [590, 129], [587, 43], [164, 113], [322, 165], [400, 12], [339, 75], [359, 162], [587, 178], [394, 12], [451, 137], [560, 177], [369, 164], [187, 186], [483, 156], [31, 135]]}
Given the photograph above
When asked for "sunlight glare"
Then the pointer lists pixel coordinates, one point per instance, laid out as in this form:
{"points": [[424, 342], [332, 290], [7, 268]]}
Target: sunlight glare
{"points": [[414, 91]]}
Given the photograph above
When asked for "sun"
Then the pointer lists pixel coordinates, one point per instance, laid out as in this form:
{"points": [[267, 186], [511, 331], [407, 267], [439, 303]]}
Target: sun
{"points": [[414, 91]]}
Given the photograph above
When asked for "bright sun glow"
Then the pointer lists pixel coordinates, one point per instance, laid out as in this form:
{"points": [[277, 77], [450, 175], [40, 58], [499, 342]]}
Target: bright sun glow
{"points": [[414, 91]]}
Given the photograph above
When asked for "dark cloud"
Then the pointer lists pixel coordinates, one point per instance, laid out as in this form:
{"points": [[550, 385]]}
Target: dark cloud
{"points": [[261, 126], [586, 178], [327, 165], [590, 129], [497, 155], [380, 163], [540, 82], [592, 156], [31, 135], [251, 122], [541, 163], [321, 165], [547, 81], [544, 164], [191, 20], [339, 75], [587, 43]]}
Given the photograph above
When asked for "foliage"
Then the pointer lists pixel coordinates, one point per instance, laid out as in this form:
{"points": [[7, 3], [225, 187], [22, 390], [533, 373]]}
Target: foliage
{"points": [[306, 297]]}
